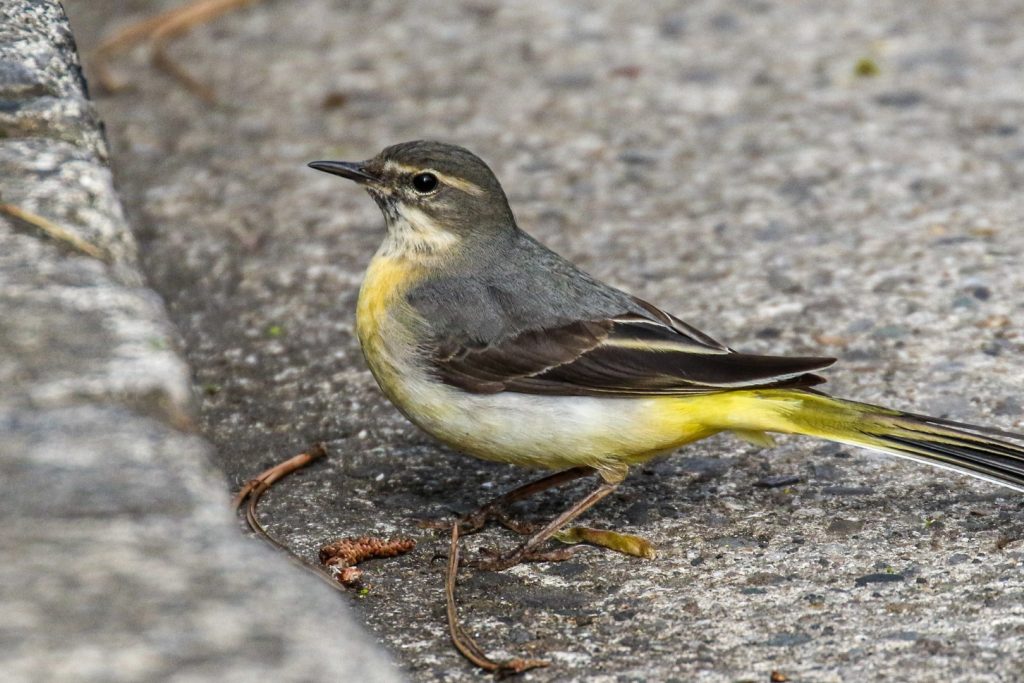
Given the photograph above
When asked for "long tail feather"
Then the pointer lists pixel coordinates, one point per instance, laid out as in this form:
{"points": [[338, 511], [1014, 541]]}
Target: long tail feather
{"points": [[965, 448], [982, 452], [991, 454]]}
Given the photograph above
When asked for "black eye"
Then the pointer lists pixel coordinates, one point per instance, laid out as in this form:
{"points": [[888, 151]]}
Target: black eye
{"points": [[424, 182]]}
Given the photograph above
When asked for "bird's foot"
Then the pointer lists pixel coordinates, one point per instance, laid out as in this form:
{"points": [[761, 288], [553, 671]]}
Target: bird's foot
{"points": [[494, 561], [627, 544], [477, 520]]}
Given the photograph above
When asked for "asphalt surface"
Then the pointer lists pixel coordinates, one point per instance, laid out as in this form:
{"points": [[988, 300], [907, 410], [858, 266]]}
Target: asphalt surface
{"points": [[790, 177]]}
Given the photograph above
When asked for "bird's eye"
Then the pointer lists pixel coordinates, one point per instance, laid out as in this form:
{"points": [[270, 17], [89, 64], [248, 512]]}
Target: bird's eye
{"points": [[424, 182]]}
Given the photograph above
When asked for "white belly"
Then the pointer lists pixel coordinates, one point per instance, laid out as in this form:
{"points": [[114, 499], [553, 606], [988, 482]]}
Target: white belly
{"points": [[552, 432]]}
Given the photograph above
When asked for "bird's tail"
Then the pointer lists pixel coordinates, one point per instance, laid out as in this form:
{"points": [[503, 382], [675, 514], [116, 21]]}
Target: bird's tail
{"points": [[990, 454]]}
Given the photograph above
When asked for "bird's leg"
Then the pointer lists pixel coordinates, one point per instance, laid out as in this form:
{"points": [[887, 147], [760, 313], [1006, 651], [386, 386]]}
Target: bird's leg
{"points": [[473, 522], [528, 551], [492, 510]]}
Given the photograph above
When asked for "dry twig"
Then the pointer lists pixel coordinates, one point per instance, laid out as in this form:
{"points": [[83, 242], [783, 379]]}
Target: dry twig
{"points": [[254, 490], [267, 477], [462, 641], [341, 556], [159, 31], [54, 231]]}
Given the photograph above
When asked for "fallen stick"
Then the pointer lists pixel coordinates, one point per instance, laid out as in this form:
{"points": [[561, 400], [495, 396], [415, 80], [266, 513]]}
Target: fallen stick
{"points": [[54, 231], [160, 30], [462, 641], [254, 489]]}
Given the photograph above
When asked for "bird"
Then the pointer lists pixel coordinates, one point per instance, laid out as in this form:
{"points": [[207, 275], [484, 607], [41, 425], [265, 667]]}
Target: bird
{"points": [[500, 348]]}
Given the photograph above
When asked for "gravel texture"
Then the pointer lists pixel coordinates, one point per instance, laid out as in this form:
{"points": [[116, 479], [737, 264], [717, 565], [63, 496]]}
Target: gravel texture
{"points": [[120, 560], [793, 177]]}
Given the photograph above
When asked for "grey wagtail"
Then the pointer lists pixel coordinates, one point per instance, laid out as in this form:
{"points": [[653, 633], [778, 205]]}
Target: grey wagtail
{"points": [[500, 348]]}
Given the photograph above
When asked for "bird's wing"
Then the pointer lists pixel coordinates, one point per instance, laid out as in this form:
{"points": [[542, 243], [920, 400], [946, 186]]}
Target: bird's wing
{"points": [[628, 354]]}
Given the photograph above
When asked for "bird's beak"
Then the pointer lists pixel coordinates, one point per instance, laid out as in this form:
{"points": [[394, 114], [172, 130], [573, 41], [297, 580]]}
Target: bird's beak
{"points": [[353, 170]]}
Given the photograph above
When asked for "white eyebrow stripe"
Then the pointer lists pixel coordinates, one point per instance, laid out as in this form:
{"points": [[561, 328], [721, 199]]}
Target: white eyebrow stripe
{"points": [[452, 181], [460, 184]]}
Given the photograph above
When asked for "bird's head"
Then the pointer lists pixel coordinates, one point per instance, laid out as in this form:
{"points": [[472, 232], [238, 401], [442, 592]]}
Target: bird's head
{"points": [[432, 194]]}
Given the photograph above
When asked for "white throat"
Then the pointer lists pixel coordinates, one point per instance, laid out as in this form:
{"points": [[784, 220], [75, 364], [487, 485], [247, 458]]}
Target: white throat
{"points": [[412, 233]]}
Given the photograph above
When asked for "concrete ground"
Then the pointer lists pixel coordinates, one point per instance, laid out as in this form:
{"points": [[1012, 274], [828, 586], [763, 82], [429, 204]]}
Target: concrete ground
{"points": [[789, 176]]}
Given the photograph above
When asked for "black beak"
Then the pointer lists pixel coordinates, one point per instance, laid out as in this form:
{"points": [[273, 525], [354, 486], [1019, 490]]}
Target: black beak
{"points": [[353, 170]]}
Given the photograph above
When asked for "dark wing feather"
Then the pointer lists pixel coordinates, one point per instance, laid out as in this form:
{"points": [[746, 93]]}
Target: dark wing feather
{"points": [[623, 355]]}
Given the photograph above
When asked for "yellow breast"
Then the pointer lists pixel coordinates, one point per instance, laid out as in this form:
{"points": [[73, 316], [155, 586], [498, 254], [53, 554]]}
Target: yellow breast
{"points": [[383, 319], [387, 280]]}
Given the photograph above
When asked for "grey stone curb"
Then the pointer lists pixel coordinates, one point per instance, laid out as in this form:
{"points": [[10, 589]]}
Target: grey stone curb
{"points": [[120, 560]]}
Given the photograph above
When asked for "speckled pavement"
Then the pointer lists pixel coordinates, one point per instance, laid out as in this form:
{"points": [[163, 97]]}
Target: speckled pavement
{"points": [[791, 177]]}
